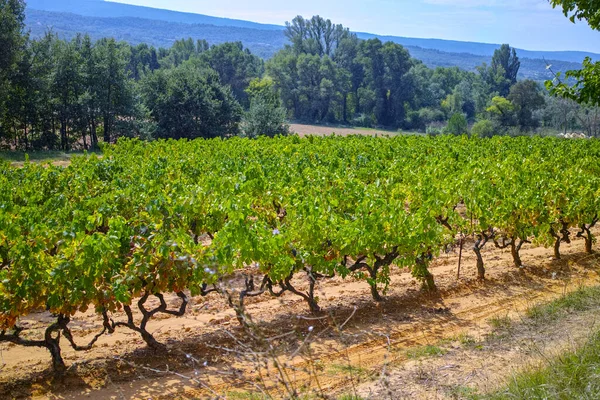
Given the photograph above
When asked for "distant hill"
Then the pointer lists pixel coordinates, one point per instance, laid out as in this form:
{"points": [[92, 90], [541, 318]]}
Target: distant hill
{"points": [[480, 49], [162, 27], [261, 42], [107, 9]]}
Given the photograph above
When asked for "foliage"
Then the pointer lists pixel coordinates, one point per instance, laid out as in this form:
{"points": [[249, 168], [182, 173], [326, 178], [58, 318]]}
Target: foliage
{"points": [[483, 128], [266, 115], [316, 36], [526, 97], [572, 375], [263, 41], [73, 94], [265, 118], [11, 27], [151, 218], [457, 125], [506, 62], [189, 102], [587, 84], [502, 112], [236, 67], [587, 79], [12, 21], [580, 9]]}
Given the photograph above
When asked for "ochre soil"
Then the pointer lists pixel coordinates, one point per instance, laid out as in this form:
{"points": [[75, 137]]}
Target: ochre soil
{"points": [[323, 130], [344, 349]]}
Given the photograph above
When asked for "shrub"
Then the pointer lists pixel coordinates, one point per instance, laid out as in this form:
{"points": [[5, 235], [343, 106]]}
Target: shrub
{"points": [[265, 118], [457, 125], [363, 121], [483, 128]]}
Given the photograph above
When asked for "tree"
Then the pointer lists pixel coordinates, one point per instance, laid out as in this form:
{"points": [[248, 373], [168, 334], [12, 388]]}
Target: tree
{"points": [[506, 58], [483, 128], [580, 9], [236, 67], [264, 119], [560, 113], [587, 80], [190, 102], [526, 98], [283, 69], [589, 120], [115, 97], [457, 125], [91, 86], [503, 71], [385, 66], [397, 64], [12, 23], [316, 36], [501, 112], [12, 17], [67, 88]]}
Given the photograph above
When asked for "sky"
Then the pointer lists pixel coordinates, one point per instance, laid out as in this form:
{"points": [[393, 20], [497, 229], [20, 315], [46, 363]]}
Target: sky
{"points": [[526, 24]]}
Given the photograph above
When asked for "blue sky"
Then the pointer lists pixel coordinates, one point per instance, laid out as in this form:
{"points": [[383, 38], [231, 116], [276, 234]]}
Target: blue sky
{"points": [[527, 24]]}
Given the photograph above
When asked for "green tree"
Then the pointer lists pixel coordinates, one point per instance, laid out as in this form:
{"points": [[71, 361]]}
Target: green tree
{"points": [[283, 69], [114, 90], [12, 23], [316, 36], [501, 112], [505, 59], [264, 118], [43, 63], [67, 88], [483, 128], [236, 67], [503, 71], [91, 85], [12, 17], [190, 102], [587, 80], [526, 97], [457, 125]]}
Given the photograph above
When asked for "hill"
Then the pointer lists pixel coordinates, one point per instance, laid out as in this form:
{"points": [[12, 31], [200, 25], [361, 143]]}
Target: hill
{"points": [[100, 8], [261, 42], [161, 28]]}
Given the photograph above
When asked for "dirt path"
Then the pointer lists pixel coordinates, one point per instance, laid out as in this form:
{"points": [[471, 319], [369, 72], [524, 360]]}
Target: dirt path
{"points": [[473, 366], [323, 358]]}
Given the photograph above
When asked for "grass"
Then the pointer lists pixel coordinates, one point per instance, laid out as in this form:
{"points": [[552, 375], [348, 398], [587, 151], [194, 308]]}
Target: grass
{"points": [[466, 340], [574, 375], [580, 300], [245, 396], [39, 156], [349, 370], [425, 351], [500, 323]]}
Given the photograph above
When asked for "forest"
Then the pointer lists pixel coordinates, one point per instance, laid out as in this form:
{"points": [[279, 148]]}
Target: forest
{"points": [[60, 94]]}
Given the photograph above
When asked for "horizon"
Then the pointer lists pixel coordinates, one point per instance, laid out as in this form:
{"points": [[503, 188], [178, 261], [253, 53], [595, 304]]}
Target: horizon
{"points": [[538, 26]]}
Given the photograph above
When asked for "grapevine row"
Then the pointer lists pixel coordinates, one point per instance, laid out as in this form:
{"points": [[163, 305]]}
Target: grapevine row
{"points": [[148, 219]]}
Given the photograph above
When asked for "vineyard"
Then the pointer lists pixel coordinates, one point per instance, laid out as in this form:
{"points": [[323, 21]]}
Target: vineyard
{"points": [[117, 234]]}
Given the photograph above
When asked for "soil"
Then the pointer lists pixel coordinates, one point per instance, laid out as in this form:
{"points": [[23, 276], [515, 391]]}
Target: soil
{"points": [[345, 348], [481, 365], [324, 130]]}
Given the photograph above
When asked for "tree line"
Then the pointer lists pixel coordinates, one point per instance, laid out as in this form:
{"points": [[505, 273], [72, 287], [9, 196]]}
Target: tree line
{"points": [[59, 94]]}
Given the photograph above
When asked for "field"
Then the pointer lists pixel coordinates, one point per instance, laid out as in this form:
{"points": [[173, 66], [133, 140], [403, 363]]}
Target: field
{"points": [[373, 267], [377, 337]]}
